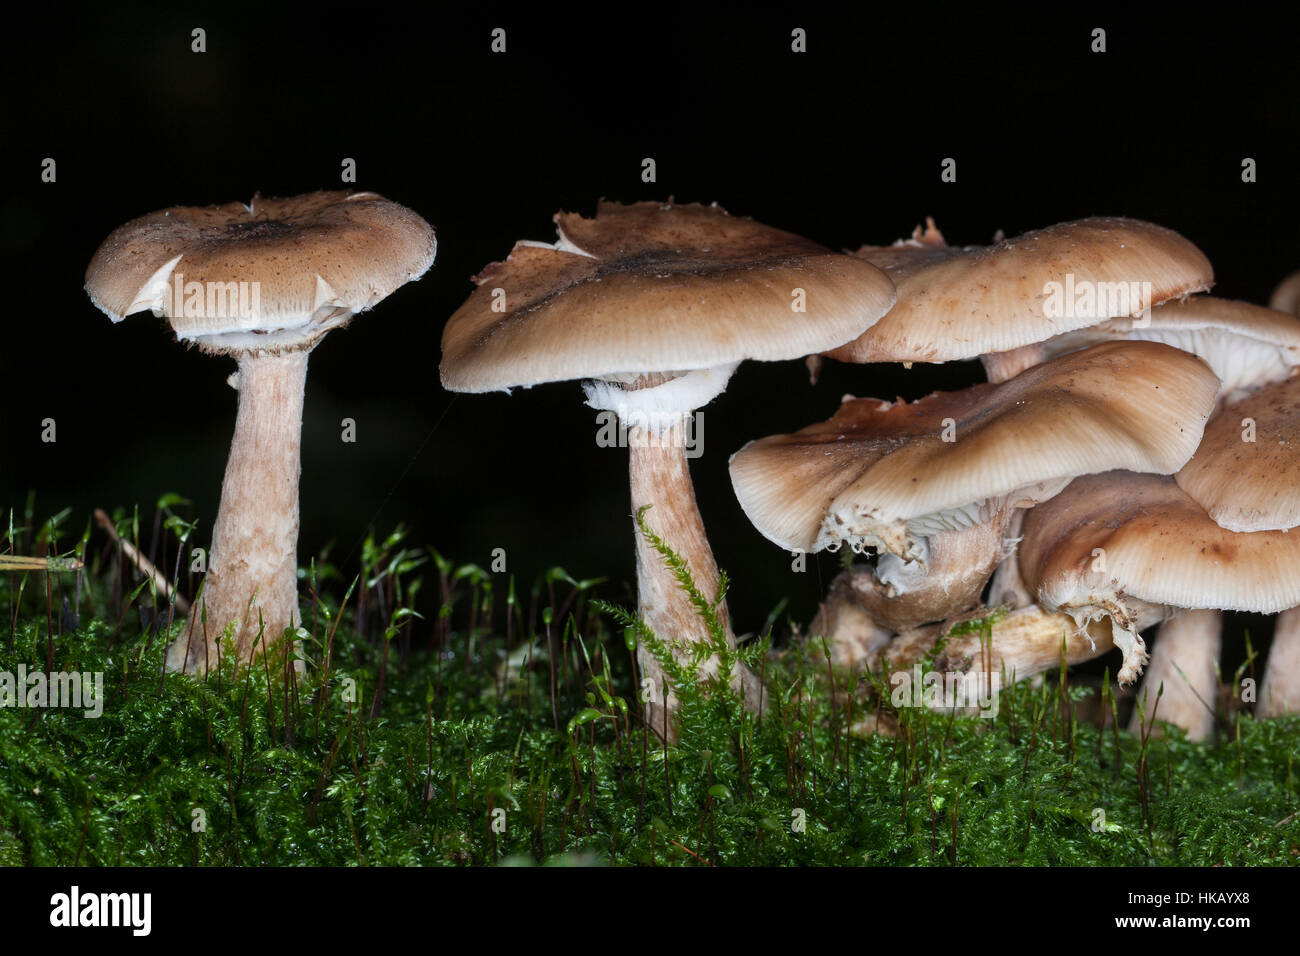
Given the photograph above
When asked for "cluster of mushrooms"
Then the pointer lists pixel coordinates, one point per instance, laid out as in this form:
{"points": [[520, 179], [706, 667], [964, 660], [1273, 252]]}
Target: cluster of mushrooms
{"points": [[1131, 460]]}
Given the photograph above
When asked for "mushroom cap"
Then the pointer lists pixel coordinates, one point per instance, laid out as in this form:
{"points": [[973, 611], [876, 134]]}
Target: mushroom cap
{"points": [[1251, 485], [1137, 405], [1286, 297], [1158, 546], [1246, 345], [654, 288], [960, 303], [305, 264]]}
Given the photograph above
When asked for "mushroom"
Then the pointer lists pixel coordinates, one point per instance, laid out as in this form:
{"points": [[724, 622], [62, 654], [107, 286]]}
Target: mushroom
{"points": [[653, 306], [1243, 474], [262, 282], [1248, 346], [786, 485], [1136, 547], [1001, 302], [882, 476], [1239, 472]]}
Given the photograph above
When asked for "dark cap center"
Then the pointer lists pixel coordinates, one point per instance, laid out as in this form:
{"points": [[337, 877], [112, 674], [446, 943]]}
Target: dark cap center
{"points": [[259, 229]]}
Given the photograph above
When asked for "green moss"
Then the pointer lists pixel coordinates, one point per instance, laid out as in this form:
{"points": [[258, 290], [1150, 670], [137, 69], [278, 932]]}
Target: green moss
{"points": [[541, 724]]}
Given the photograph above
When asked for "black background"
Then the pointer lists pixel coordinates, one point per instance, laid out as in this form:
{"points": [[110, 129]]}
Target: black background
{"points": [[474, 894], [842, 144]]}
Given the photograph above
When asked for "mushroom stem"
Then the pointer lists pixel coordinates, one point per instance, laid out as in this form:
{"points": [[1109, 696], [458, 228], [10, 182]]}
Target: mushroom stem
{"points": [[253, 563], [1000, 366], [1186, 650], [1280, 693], [904, 594], [866, 605], [660, 477], [1008, 586], [851, 632]]}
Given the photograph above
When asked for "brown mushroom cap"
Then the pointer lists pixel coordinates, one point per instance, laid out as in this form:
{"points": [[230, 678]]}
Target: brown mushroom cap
{"points": [[786, 483], [1160, 547], [1132, 546], [960, 303], [315, 260], [876, 467], [654, 288], [1246, 345], [1251, 485]]}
